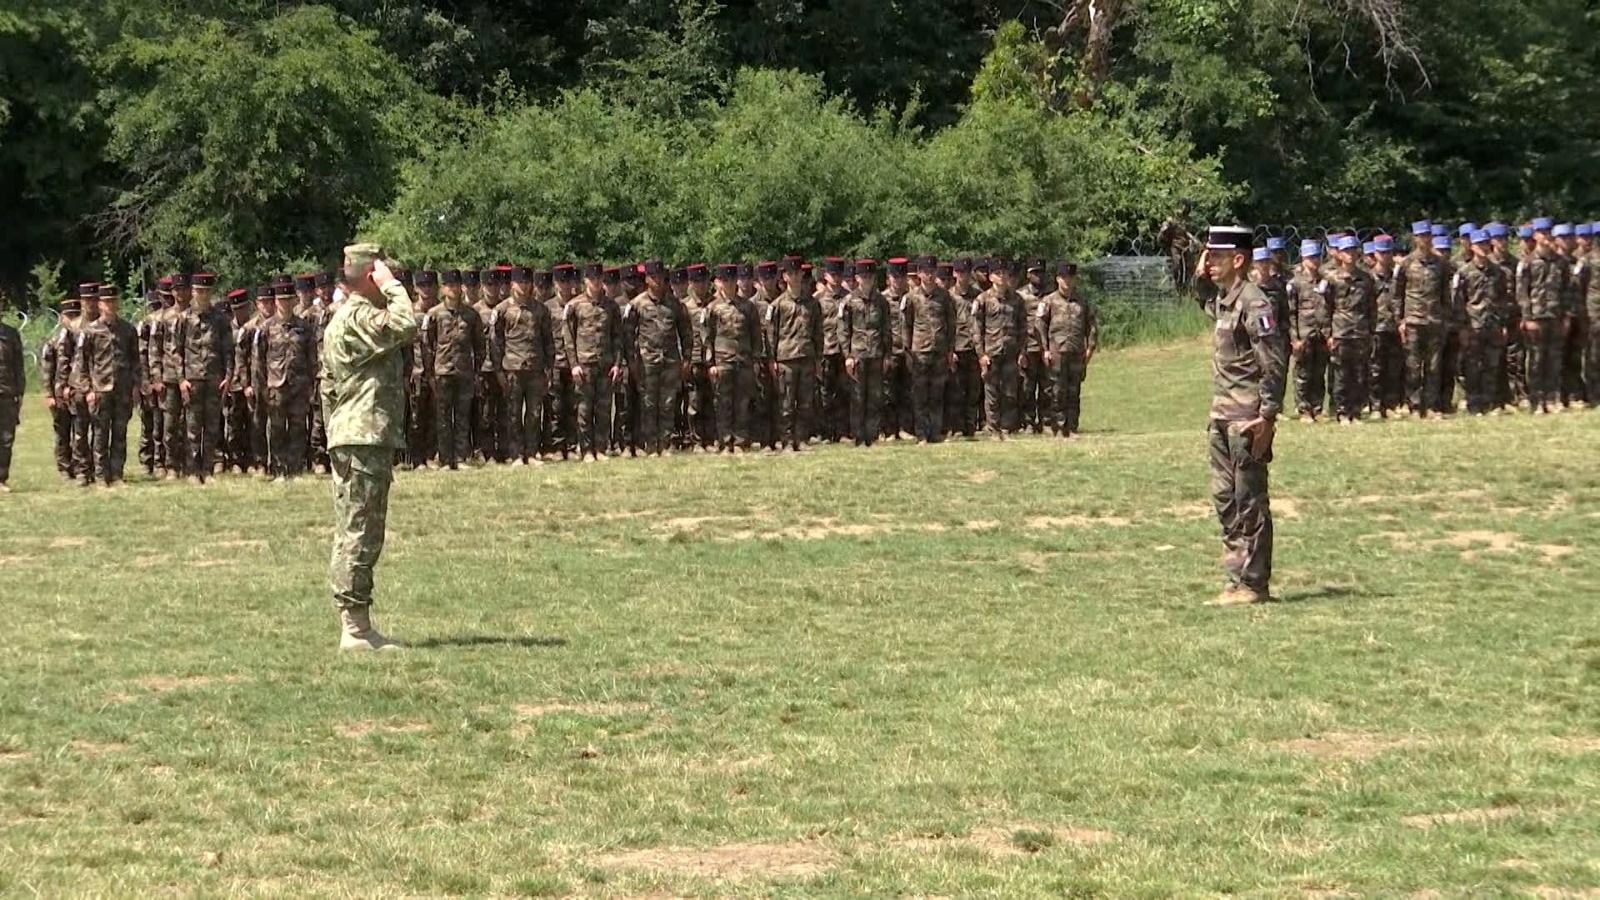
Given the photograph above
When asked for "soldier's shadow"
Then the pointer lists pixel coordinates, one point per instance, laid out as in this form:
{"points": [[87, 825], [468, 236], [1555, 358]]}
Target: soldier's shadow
{"points": [[1320, 592], [487, 640]]}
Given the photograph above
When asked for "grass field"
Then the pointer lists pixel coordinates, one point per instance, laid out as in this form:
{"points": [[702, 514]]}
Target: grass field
{"points": [[968, 669]]}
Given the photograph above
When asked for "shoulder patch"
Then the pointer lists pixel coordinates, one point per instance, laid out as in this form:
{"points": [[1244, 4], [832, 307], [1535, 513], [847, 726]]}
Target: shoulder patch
{"points": [[1267, 323]]}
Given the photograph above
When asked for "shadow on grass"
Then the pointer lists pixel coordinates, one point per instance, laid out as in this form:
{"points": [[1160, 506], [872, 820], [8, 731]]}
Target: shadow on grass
{"points": [[1325, 592], [487, 640]]}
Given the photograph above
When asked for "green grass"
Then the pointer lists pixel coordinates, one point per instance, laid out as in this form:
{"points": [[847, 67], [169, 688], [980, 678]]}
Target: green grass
{"points": [[967, 669]]}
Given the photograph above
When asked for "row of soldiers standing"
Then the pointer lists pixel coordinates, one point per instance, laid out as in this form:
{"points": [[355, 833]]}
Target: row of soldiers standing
{"points": [[513, 364], [216, 387], [1384, 332]]}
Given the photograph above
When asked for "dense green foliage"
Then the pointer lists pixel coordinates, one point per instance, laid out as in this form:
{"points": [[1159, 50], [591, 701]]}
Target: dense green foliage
{"points": [[244, 133]]}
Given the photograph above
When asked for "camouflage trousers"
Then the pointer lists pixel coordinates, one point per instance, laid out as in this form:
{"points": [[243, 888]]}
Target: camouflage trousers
{"points": [[173, 437], [1543, 360], [1386, 372], [1067, 392], [109, 434], [287, 410], [1000, 386], [361, 480], [963, 395], [1422, 367], [10, 412], [797, 379], [1348, 370], [82, 439], [1452, 367], [523, 393], [151, 453], [61, 422], [1482, 357], [1513, 384], [204, 411], [1572, 353], [1239, 495], [1036, 401], [1311, 376], [592, 395], [452, 418], [1591, 361], [735, 385], [658, 402], [866, 400], [928, 373]]}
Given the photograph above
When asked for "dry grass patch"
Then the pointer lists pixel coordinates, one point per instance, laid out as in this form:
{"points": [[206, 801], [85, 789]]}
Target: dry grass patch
{"points": [[1585, 744], [982, 476], [1044, 523], [728, 862], [536, 710], [1427, 821], [1014, 840], [66, 542], [1348, 746], [161, 684], [97, 749], [356, 730]]}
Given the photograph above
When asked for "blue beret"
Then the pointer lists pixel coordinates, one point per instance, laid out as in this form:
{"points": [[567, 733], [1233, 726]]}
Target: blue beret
{"points": [[1423, 227], [1584, 229], [1466, 229], [1497, 229], [1310, 248], [1274, 244], [1562, 230], [1260, 254], [1480, 237], [1369, 248], [1441, 231], [1524, 231], [1543, 223], [1441, 242]]}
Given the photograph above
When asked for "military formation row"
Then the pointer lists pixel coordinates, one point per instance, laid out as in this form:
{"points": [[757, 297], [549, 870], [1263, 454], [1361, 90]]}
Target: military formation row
{"points": [[516, 365], [1505, 313]]}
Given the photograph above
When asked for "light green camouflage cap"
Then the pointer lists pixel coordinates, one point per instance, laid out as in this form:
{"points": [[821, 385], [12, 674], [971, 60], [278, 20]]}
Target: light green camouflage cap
{"points": [[362, 254]]}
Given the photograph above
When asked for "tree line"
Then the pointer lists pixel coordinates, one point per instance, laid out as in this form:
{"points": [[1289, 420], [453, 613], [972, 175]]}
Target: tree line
{"points": [[254, 136]]}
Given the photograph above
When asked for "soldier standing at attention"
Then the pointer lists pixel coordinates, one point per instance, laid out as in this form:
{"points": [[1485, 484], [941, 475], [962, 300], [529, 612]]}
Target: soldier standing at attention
{"points": [[964, 389], [1386, 372], [794, 332], [1577, 245], [833, 394], [1248, 359], [207, 359], [363, 398], [1541, 291], [764, 420], [55, 369], [1510, 388], [525, 338], [1309, 302], [256, 375], [592, 330], [235, 405], [868, 337], [658, 343], [13, 384], [930, 319], [896, 367], [1478, 287], [624, 396], [285, 344], [1070, 334], [80, 384], [561, 401], [420, 440], [322, 307], [1420, 292], [490, 404], [111, 354], [1591, 310], [150, 453], [1001, 320], [1267, 273], [452, 342], [1036, 404], [731, 331], [1352, 295]]}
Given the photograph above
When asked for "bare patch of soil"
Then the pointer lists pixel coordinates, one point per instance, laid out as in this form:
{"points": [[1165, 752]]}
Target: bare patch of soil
{"points": [[1352, 746], [728, 862]]}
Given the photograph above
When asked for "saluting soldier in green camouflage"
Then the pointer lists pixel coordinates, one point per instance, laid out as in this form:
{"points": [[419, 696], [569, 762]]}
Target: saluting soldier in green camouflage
{"points": [[525, 339], [110, 349], [657, 332], [1248, 357], [930, 318], [1000, 322], [363, 402], [1070, 335]]}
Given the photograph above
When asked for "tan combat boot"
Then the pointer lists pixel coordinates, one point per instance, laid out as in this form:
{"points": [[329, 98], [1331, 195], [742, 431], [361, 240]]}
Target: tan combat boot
{"points": [[356, 631]]}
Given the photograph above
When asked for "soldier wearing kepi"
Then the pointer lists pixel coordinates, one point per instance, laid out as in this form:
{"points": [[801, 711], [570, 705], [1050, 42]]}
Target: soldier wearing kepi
{"points": [[256, 373], [1069, 336], [420, 440], [1001, 320], [175, 436], [930, 319], [833, 392], [1478, 291], [1352, 295], [79, 386], [592, 330], [731, 331], [1421, 289], [897, 367], [1386, 383], [560, 399], [236, 404], [110, 350], [658, 341], [322, 310], [13, 384], [491, 402], [452, 342], [1248, 357], [1541, 289], [55, 369], [207, 361], [148, 330], [1310, 305], [868, 337], [1591, 304], [1036, 403], [363, 400], [285, 345], [525, 338], [794, 332], [964, 389]]}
